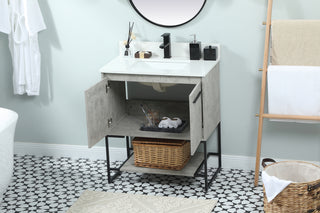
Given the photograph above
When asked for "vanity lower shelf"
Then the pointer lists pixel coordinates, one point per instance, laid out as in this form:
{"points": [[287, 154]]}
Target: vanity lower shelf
{"points": [[189, 170]]}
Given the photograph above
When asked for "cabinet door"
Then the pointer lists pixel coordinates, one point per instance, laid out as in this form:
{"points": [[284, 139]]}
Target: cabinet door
{"points": [[195, 117], [105, 105]]}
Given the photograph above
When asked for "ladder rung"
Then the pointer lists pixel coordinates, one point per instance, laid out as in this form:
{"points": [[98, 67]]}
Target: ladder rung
{"points": [[294, 117], [265, 23]]}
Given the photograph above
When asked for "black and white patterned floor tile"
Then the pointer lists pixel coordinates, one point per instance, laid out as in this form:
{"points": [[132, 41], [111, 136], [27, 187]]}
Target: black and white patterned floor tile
{"points": [[47, 184]]}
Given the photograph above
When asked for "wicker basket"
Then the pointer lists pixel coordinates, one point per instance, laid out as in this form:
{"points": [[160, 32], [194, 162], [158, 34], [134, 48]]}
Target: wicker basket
{"points": [[298, 196], [161, 153]]}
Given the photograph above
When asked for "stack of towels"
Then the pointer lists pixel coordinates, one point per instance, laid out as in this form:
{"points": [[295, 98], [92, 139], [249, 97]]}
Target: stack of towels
{"points": [[170, 123]]}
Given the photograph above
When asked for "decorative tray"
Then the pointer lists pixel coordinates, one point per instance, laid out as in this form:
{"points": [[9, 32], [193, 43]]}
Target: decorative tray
{"points": [[179, 129]]}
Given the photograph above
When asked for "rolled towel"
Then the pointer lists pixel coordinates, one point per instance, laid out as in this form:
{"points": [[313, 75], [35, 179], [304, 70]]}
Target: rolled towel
{"points": [[164, 123], [178, 120], [173, 124], [170, 123]]}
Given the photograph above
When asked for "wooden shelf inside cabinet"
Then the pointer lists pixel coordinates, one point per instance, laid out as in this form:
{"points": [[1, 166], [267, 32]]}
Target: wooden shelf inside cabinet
{"points": [[189, 170], [129, 125]]}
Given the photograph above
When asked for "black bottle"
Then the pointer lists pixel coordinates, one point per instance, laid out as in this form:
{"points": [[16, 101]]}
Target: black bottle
{"points": [[195, 49]]}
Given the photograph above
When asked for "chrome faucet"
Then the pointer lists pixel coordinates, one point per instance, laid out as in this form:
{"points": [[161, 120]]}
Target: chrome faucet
{"points": [[166, 45]]}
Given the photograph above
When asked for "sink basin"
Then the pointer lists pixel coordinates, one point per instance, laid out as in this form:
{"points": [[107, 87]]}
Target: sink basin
{"points": [[161, 65]]}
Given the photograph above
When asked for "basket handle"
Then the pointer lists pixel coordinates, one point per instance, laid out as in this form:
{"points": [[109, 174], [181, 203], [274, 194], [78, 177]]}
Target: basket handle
{"points": [[313, 187], [267, 160]]}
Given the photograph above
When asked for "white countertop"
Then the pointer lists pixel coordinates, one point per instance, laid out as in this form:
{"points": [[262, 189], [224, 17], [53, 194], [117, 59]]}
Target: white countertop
{"points": [[179, 65], [163, 67]]}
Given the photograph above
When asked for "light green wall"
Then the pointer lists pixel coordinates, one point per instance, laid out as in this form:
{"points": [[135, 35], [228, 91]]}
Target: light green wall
{"points": [[82, 36]]}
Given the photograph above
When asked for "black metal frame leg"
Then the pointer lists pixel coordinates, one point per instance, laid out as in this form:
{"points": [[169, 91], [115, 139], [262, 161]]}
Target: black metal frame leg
{"points": [[207, 182], [109, 169]]}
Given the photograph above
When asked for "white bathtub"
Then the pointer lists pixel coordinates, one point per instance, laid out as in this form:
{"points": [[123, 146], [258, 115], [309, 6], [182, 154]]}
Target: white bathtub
{"points": [[8, 121]]}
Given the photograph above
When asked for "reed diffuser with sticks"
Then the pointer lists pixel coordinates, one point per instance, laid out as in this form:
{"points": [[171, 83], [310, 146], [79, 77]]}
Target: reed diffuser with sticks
{"points": [[127, 51]]}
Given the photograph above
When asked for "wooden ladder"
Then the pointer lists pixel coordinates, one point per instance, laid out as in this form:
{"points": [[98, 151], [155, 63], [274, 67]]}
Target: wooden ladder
{"points": [[262, 114]]}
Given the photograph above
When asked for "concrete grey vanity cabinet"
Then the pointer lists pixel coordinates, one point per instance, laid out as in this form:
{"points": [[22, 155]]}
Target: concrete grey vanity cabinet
{"points": [[110, 113]]}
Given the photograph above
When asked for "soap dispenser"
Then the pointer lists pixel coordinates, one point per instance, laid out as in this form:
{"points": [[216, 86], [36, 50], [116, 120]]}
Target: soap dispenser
{"points": [[195, 49]]}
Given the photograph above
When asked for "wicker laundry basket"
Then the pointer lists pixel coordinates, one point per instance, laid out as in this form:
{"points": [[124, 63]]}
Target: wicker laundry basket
{"points": [[302, 195], [161, 153]]}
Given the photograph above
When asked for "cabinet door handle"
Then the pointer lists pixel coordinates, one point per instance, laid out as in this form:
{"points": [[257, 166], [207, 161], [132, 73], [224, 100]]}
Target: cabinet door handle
{"points": [[198, 96]]}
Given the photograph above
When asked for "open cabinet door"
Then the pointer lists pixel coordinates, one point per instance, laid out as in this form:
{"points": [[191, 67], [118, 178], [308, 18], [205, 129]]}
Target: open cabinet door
{"points": [[105, 105], [195, 117]]}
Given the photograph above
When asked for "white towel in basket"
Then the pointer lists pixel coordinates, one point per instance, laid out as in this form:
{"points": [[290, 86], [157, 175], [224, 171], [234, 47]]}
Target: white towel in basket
{"points": [[273, 185]]}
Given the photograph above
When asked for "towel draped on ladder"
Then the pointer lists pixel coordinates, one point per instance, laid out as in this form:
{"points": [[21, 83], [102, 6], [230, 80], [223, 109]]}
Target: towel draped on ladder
{"points": [[294, 90]]}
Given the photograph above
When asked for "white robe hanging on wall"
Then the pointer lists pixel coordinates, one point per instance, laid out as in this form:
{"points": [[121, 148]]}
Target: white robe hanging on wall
{"points": [[4, 17], [26, 21]]}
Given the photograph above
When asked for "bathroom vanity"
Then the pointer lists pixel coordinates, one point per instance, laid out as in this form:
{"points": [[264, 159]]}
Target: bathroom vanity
{"points": [[112, 113]]}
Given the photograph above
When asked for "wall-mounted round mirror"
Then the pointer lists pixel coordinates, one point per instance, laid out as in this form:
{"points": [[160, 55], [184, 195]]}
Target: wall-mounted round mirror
{"points": [[168, 13]]}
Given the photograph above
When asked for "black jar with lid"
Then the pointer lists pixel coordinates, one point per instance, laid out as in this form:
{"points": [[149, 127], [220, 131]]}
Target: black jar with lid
{"points": [[210, 53]]}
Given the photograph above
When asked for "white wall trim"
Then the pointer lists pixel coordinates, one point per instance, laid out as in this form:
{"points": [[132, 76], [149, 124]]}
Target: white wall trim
{"points": [[98, 152], [71, 151]]}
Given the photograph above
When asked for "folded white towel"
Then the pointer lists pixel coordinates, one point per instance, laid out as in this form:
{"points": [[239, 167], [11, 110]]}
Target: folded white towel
{"points": [[294, 90], [273, 185]]}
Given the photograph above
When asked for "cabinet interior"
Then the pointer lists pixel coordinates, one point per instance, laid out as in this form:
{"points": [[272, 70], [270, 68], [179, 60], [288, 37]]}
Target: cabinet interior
{"points": [[133, 117]]}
